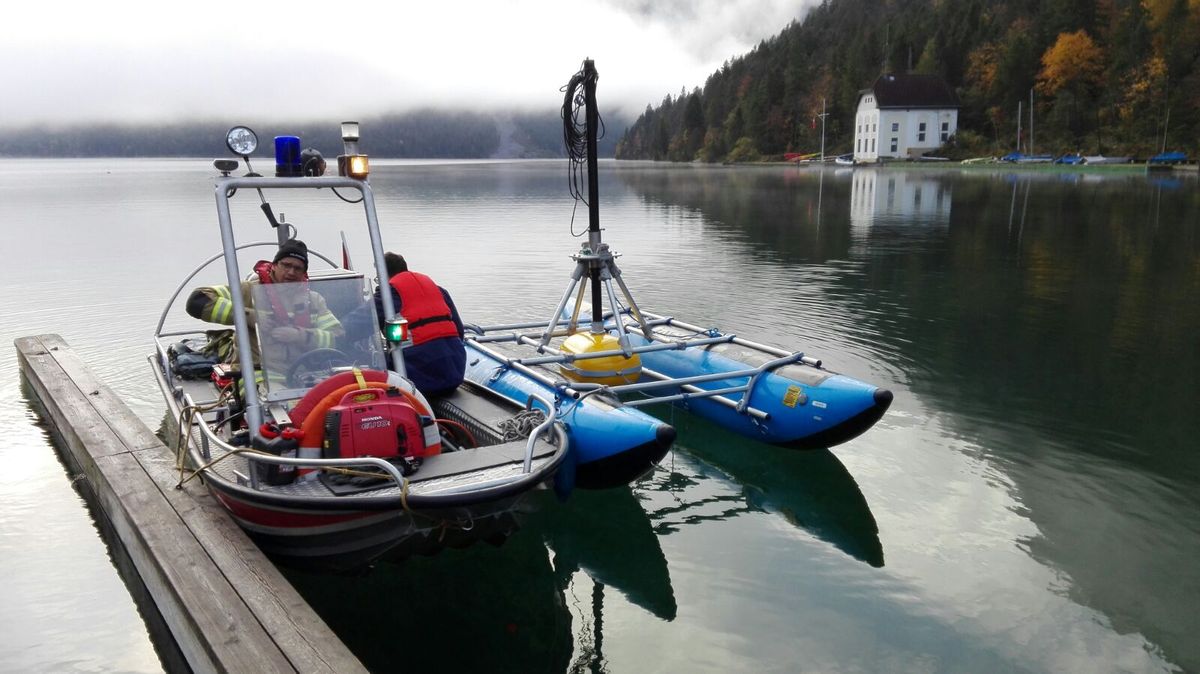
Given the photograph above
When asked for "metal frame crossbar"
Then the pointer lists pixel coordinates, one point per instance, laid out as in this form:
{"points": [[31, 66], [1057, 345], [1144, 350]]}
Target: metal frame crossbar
{"points": [[539, 335]]}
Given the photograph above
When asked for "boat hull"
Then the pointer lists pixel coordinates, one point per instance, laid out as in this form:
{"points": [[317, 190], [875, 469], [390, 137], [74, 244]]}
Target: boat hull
{"points": [[301, 526], [348, 541], [611, 445]]}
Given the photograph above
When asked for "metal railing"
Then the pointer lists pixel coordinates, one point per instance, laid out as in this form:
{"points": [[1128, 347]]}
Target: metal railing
{"points": [[687, 385]]}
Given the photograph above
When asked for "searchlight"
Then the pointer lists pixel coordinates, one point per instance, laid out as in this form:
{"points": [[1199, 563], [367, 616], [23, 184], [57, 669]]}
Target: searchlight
{"points": [[241, 141]]}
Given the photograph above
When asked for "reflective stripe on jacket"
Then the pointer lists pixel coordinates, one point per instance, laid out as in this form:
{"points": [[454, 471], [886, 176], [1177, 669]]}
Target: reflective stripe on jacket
{"points": [[214, 304]]}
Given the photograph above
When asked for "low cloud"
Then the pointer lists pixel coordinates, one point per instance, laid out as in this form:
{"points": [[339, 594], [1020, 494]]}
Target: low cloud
{"points": [[163, 61]]}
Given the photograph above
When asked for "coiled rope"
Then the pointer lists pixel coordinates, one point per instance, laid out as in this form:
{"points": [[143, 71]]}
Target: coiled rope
{"points": [[574, 116]]}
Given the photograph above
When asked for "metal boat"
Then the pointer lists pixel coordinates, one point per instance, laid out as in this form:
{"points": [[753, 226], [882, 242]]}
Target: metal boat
{"points": [[332, 459]]}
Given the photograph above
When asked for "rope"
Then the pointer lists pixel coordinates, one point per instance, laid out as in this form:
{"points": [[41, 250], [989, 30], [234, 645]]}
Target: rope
{"points": [[521, 425], [574, 116], [186, 421]]}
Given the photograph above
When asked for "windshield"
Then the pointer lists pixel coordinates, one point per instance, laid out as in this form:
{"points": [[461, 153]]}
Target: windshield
{"points": [[309, 330]]}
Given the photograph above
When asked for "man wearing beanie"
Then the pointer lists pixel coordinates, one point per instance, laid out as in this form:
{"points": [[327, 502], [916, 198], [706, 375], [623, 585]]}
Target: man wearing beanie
{"points": [[293, 249], [298, 319]]}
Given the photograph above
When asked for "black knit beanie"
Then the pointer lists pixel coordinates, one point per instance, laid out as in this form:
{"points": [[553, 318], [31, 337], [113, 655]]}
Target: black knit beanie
{"points": [[293, 248]]}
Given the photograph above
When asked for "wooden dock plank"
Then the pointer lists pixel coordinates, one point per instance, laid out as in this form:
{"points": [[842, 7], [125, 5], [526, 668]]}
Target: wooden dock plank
{"points": [[227, 606], [284, 614], [109, 407]]}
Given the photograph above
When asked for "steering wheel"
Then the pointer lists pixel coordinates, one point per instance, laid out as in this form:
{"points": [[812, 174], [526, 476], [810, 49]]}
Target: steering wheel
{"points": [[317, 360]]}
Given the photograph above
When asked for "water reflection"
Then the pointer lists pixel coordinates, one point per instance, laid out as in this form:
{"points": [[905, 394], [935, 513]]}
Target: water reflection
{"points": [[898, 196], [811, 490], [478, 609], [608, 535], [1034, 483], [515, 607], [1048, 321]]}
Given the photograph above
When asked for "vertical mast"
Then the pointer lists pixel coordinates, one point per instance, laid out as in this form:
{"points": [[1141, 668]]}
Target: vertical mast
{"points": [[1031, 122], [1018, 127], [593, 201]]}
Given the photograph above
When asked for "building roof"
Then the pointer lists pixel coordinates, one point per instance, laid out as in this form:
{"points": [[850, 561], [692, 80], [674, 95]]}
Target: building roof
{"points": [[913, 91]]}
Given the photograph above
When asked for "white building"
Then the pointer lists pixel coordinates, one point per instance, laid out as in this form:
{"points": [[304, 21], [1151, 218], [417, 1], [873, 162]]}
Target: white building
{"points": [[904, 116]]}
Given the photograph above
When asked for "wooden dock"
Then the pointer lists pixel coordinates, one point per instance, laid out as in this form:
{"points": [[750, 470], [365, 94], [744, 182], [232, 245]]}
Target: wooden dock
{"points": [[228, 608]]}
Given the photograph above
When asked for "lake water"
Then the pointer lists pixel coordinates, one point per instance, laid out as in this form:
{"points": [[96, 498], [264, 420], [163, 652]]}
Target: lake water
{"points": [[1029, 503]]}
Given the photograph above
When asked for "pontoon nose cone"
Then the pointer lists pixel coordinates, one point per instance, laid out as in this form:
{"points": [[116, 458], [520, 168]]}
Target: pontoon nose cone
{"points": [[665, 435], [850, 428], [883, 399]]}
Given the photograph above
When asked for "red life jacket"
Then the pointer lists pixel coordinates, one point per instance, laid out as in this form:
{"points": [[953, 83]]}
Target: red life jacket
{"points": [[301, 318], [423, 305]]}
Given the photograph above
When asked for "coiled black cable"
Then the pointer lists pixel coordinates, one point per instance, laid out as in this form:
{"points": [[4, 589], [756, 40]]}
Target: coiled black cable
{"points": [[574, 116]]}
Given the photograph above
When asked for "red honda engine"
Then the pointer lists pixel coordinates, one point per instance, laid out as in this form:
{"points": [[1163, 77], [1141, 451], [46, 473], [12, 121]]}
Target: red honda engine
{"points": [[376, 422]]}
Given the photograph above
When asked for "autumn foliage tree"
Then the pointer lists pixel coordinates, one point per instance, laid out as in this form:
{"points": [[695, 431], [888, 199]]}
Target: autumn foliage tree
{"points": [[1117, 76], [1072, 70], [1073, 63]]}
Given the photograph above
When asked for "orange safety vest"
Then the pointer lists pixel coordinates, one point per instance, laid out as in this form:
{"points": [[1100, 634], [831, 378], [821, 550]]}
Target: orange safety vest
{"points": [[423, 305]]}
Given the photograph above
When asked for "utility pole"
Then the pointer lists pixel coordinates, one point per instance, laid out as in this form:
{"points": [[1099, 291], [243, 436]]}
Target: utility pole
{"points": [[822, 116]]}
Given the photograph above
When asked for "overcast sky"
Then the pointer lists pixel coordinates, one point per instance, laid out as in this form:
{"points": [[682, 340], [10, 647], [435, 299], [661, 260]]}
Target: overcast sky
{"points": [[134, 61]]}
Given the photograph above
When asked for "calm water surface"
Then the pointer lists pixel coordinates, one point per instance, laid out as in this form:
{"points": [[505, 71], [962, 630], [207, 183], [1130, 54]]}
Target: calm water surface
{"points": [[1029, 503]]}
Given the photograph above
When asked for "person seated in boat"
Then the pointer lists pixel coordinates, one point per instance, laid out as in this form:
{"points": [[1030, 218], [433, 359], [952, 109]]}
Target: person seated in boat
{"points": [[436, 361], [296, 320]]}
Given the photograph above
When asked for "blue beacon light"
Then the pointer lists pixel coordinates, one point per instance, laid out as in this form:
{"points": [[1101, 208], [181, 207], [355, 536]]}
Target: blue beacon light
{"points": [[287, 157]]}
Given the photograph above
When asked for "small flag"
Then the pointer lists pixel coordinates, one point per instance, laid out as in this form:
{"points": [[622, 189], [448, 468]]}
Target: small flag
{"points": [[345, 253]]}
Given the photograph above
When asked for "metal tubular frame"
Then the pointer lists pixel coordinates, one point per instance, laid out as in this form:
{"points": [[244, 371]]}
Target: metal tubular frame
{"points": [[209, 437], [686, 384]]}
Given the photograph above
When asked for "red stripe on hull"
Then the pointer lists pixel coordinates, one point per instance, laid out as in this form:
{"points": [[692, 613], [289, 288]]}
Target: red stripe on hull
{"points": [[286, 519]]}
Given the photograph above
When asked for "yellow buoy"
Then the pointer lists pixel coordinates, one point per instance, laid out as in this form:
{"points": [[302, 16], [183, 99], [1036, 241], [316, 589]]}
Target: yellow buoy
{"points": [[611, 370]]}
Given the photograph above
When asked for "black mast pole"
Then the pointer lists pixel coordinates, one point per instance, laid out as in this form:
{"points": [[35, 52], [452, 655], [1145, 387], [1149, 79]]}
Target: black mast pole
{"points": [[592, 121]]}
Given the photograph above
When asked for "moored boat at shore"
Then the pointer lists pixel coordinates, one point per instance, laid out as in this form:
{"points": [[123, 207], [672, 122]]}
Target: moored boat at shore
{"points": [[1167, 159], [331, 459]]}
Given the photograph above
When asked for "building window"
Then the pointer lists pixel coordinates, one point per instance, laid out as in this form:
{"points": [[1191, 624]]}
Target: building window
{"points": [[895, 145], [945, 131], [895, 127], [872, 146], [921, 132], [874, 128]]}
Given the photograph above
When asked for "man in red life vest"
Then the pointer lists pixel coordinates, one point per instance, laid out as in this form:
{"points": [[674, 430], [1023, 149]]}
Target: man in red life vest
{"points": [[296, 319], [437, 360]]}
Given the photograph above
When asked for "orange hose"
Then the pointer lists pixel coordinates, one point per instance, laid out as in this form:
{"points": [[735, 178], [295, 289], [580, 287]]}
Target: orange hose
{"points": [[455, 424]]}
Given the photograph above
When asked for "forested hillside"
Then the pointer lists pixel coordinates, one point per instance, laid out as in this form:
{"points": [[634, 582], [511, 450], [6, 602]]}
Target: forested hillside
{"points": [[1106, 76], [421, 134]]}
